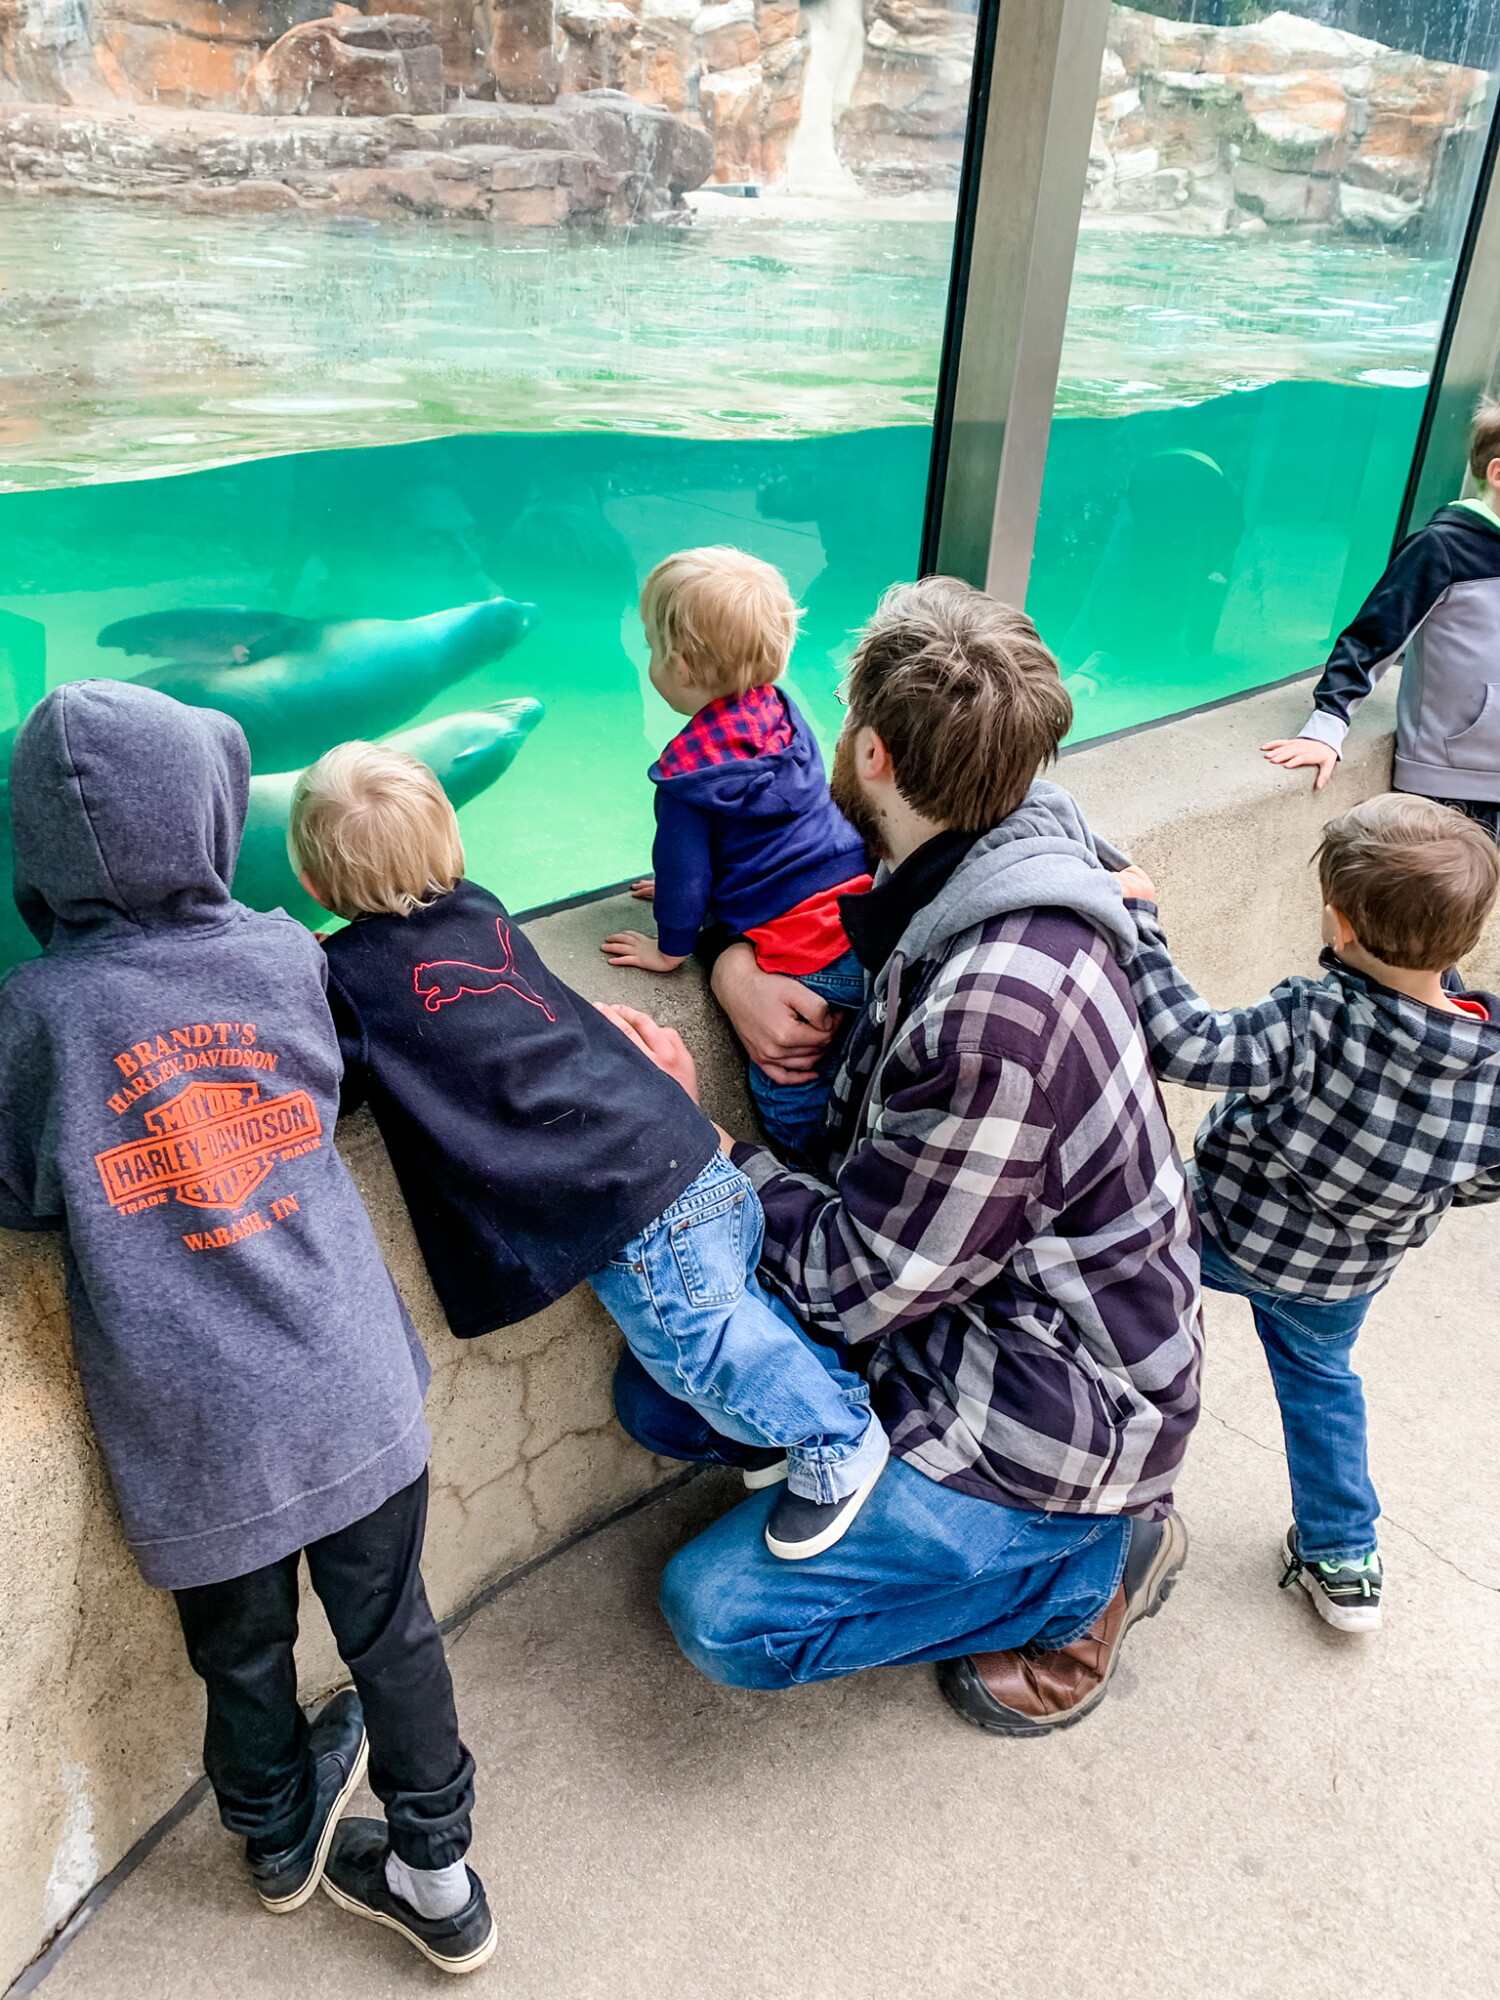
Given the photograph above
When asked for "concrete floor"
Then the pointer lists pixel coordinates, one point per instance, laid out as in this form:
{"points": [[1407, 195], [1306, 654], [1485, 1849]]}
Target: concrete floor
{"points": [[1261, 1808]]}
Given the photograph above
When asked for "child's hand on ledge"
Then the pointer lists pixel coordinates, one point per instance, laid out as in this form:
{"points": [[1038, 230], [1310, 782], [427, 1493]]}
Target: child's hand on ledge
{"points": [[665, 1046], [1136, 882], [1298, 752], [635, 948], [644, 891]]}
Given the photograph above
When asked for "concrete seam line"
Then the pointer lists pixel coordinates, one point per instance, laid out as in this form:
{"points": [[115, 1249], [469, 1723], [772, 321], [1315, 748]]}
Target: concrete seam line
{"points": [[1178, 715], [33, 1974]]}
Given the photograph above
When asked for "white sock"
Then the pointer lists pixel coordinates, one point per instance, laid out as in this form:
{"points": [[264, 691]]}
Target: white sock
{"points": [[432, 1892]]}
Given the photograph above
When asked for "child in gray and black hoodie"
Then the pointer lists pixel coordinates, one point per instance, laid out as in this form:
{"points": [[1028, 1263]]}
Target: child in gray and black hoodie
{"points": [[169, 1083]]}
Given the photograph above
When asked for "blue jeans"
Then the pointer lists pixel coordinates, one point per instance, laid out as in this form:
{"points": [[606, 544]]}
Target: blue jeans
{"points": [[792, 1113], [685, 1295], [1308, 1343], [925, 1573]]}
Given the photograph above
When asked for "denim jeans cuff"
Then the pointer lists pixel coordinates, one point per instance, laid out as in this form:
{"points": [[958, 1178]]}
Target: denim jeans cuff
{"points": [[1339, 1552], [829, 1472]]}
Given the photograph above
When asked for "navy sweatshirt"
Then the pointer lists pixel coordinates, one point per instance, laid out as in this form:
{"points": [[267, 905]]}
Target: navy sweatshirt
{"points": [[1439, 603], [168, 1091], [530, 1137], [746, 840]]}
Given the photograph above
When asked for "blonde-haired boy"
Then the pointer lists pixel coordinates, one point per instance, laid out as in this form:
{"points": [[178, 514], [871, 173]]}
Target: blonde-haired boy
{"points": [[539, 1146], [747, 835], [1359, 1107]]}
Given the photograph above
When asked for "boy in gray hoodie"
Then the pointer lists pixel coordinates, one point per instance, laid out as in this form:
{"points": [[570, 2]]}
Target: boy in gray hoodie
{"points": [[169, 1084]]}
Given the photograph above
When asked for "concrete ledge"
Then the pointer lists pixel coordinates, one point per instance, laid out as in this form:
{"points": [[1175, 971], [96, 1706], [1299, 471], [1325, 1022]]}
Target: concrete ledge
{"points": [[101, 1718]]}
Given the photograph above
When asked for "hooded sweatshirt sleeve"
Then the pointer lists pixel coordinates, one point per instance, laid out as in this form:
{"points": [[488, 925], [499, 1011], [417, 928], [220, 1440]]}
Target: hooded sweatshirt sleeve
{"points": [[24, 1204], [1232, 1048], [1418, 574], [925, 1213], [682, 861]]}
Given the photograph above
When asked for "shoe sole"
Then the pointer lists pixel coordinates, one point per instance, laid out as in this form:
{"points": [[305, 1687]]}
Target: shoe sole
{"points": [[282, 1906], [1160, 1581], [1342, 1620], [470, 1962], [793, 1552], [760, 1476]]}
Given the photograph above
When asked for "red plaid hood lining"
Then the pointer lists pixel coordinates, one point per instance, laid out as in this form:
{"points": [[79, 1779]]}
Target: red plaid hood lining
{"points": [[736, 726]]}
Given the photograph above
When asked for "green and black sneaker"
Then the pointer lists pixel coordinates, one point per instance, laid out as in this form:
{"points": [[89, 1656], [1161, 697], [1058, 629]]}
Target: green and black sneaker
{"points": [[1345, 1595]]}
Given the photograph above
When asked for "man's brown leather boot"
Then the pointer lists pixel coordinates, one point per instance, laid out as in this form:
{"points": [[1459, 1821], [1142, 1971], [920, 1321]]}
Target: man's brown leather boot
{"points": [[1031, 1692]]}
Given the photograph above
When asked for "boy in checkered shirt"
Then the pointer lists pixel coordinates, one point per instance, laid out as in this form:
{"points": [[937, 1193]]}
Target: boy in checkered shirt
{"points": [[1357, 1108], [747, 836]]}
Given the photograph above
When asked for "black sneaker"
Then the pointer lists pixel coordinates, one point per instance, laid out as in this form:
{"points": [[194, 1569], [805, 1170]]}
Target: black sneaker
{"points": [[355, 1880], [799, 1528], [284, 1881], [761, 1468], [1345, 1595]]}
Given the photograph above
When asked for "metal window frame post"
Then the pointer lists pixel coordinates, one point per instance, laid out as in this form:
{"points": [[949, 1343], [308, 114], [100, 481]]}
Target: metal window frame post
{"points": [[1468, 355], [1036, 86]]}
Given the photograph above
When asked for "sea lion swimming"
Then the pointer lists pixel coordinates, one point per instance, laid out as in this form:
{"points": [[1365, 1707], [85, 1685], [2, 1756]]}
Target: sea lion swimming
{"points": [[467, 751], [321, 683]]}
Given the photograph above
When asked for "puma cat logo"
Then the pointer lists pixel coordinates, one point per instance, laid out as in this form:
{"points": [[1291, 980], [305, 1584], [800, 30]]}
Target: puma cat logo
{"points": [[443, 980]]}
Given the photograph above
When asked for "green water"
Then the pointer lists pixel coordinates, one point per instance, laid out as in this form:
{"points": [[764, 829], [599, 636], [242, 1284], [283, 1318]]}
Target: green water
{"points": [[380, 423]]}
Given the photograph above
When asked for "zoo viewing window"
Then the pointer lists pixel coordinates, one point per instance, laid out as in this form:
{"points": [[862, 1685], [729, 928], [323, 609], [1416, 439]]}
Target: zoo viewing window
{"points": [[322, 332]]}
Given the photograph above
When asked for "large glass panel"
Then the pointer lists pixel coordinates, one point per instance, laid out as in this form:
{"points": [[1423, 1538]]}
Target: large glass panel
{"points": [[1275, 205], [313, 328]]}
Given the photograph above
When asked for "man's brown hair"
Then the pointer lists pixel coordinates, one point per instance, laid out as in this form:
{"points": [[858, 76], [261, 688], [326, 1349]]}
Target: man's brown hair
{"points": [[1484, 439], [965, 696], [1416, 880]]}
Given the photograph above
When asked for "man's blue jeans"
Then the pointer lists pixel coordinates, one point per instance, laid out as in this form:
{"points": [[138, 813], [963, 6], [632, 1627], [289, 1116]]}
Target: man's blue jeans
{"points": [[685, 1295], [792, 1113], [925, 1573], [1308, 1343]]}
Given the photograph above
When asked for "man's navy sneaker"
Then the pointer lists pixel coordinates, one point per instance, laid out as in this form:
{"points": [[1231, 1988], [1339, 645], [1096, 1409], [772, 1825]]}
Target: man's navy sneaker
{"points": [[761, 1468], [285, 1880], [355, 1880]]}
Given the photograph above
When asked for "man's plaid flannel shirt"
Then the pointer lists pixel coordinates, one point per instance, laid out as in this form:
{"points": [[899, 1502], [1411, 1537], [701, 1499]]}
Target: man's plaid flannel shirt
{"points": [[1354, 1116], [1007, 1244]]}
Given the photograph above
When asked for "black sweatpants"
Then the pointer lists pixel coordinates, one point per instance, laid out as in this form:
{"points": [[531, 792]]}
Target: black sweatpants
{"points": [[1481, 811], [239, 1638]]}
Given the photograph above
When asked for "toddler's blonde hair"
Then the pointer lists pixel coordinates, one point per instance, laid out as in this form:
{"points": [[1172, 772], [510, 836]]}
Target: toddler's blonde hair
{"points": [[374, 829], [728, 616]]}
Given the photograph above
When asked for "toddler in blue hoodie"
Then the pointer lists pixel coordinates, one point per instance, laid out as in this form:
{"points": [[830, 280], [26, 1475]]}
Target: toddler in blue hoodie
{"points": [[168, 1089], [747, 836]]}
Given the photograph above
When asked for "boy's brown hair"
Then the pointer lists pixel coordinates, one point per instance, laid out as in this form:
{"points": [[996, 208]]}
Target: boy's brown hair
{"points": [[728, 617], [373, 828], [1416, 880], [964, 694], [1484, 439]]}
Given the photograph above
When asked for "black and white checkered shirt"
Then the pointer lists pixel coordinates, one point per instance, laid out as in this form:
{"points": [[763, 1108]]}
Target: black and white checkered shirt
{"points": [[1353, 1117]]}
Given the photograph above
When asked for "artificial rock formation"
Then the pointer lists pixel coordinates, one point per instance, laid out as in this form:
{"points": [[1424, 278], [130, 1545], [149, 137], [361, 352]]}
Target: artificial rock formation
{"points": [[731, 69], [1282, 122], [602, 156]]}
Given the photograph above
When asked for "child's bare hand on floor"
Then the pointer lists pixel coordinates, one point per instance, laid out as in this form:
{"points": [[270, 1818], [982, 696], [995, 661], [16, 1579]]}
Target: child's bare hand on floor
{"points": [[664, 1046], [1136, 882], [644, 891], [1301, 752], [635, 948]]}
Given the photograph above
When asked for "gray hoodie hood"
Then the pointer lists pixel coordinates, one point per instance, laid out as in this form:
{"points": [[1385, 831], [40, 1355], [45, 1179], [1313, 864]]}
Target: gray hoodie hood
{"points": [[1043, 856], [128, 809]]}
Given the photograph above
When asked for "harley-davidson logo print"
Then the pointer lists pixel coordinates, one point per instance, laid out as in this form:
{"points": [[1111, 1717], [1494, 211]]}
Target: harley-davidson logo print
{"points": [[211, 1146]]}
